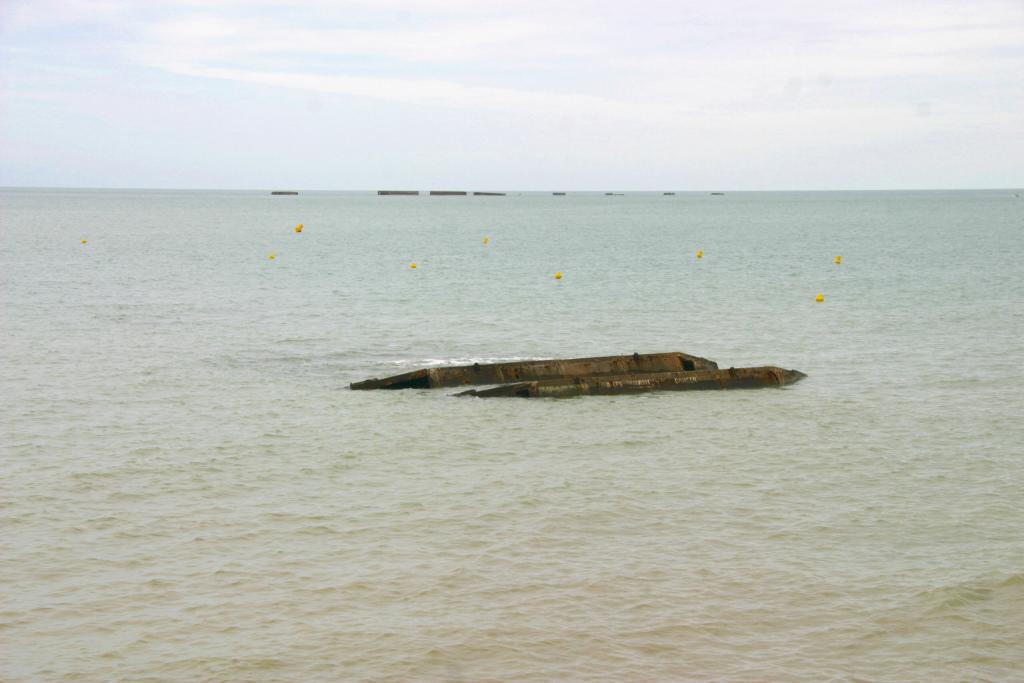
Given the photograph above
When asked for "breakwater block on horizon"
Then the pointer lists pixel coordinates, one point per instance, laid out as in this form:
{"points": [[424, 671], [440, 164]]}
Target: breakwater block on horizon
{"points": [[280, 192], [499, 373], [401, 193], [489, 194], [448, 193]]}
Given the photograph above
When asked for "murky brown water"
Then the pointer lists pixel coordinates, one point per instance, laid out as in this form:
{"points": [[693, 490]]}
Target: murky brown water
{"points": [[190, 492]]}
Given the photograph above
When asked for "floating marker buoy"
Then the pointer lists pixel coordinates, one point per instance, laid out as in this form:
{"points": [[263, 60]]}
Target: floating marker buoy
{"points": [[85, 241], [839, 259], [819, 298], [298, 228], [558, 275], [700, 253], [486, 240], [413, 265], [272, 256]]}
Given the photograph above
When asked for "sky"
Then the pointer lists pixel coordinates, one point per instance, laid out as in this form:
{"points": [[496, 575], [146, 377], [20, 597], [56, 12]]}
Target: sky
{"points": [[493, 95]]}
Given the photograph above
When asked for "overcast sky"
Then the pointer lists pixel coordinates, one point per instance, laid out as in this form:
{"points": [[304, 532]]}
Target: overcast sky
{"points": [[512, 95]]}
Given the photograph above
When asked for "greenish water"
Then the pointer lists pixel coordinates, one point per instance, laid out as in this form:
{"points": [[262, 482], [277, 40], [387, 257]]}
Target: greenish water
{"points": [[191, 492]]}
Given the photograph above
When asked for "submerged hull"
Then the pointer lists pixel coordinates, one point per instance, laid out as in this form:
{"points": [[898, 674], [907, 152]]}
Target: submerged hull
{"points": [[733, 378], [541, 370]]}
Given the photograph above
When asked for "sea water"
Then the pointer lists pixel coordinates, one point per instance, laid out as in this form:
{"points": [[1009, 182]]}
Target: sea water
{"points": [[190, 491]]}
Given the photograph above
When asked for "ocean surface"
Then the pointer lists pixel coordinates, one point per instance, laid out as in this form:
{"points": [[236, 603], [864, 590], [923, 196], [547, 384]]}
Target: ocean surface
{"points": [[190, 491]]}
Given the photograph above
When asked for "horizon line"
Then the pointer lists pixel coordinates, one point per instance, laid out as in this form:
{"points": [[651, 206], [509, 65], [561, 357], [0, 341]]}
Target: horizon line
{"points": [[533, 190]]}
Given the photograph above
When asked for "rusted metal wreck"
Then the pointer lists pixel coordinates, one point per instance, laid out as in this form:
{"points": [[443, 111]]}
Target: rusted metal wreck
{"points": [[501, 373], [732, 378], [559, 378]]}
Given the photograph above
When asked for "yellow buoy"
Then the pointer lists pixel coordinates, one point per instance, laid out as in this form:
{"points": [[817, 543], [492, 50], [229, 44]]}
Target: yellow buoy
{"points": [[85, 241], [272, 256], [298, 228], [486, 240], [839, 259], [413, 265], [558, 275], [819, 298], [700, 253]]}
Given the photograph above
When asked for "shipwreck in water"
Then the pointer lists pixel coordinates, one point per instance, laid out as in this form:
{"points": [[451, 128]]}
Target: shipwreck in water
{"points": [[637, 383], [607, 375]]}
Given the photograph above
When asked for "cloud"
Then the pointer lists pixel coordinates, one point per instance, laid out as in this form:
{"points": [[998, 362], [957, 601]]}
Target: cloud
{"points": [[439, 43], [672, 58], [650, 79], [442, 93]]}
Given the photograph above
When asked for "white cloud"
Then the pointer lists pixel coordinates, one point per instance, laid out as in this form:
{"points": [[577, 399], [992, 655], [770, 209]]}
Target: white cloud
{"points": [[656, 78], [213, 37], [441, 93], [683, 60]]}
